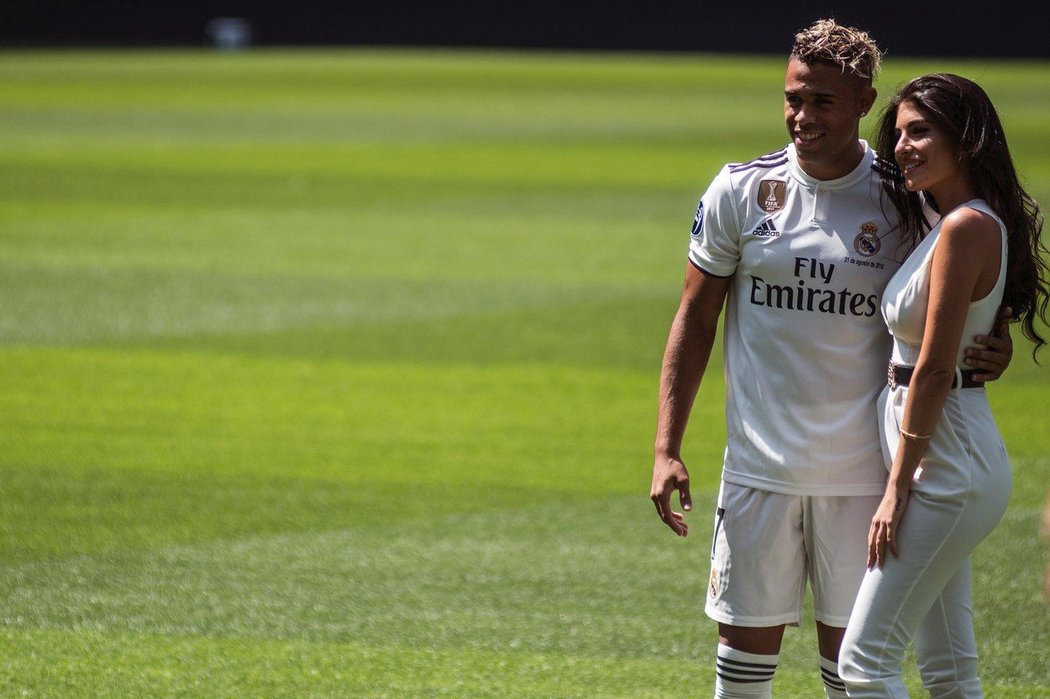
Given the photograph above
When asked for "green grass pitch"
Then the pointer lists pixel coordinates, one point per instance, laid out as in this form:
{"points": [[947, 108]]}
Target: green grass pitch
{"points": [[333, 373]]}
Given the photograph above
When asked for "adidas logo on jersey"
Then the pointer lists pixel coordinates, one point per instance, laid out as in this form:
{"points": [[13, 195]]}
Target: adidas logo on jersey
{"points": [[766, 229]]}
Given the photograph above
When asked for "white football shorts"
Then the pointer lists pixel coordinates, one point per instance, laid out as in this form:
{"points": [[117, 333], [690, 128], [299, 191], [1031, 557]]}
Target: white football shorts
{"points": [[767, 546]]}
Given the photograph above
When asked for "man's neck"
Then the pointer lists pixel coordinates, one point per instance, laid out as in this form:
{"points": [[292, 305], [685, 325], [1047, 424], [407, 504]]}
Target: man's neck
{"points": [[836, 169]]}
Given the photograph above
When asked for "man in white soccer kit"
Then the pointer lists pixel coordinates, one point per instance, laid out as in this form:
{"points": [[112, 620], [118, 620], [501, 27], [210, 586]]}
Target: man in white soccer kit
{"points": [[804, 353]]}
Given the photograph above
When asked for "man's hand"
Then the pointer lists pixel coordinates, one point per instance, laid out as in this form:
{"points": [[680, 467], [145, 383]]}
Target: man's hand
{"points": [[997, 351], [669, 475]]}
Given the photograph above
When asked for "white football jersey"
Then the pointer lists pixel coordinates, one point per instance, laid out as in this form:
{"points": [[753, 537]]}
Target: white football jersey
{"points": [[805, 344]]}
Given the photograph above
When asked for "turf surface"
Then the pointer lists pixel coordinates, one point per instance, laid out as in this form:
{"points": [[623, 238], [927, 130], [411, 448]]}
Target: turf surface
{"points": [[333, 373]]}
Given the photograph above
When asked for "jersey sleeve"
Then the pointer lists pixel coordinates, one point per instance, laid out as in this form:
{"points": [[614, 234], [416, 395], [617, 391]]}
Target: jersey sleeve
{"points": [[714, 244]]}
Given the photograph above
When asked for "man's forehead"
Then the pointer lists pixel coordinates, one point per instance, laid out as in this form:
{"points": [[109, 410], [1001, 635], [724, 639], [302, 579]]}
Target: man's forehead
{"points": [[817, 79], [808, 90]]}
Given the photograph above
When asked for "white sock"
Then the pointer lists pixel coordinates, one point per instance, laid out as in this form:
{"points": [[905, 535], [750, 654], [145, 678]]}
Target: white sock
{"points": [[740, 675], [834, 687]]}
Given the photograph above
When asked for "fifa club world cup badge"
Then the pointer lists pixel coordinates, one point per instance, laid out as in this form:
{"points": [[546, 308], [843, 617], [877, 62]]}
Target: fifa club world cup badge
{"points": [[867, 242], [714, 583], [771, 195]]}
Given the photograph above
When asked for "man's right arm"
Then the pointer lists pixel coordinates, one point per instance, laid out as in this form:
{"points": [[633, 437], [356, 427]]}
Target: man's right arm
{"points": [[685, 359]]}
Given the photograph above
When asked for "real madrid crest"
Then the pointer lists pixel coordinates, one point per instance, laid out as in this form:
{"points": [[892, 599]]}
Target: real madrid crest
{"points": [[714, 584], [771, 195], [867, 242]]}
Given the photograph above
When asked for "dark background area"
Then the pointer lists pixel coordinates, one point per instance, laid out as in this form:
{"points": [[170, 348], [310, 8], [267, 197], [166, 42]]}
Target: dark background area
{"points": [[914, 28]]}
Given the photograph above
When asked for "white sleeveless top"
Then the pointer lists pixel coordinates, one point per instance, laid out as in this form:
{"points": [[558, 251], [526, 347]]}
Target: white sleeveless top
{"points": [[907, 296]]}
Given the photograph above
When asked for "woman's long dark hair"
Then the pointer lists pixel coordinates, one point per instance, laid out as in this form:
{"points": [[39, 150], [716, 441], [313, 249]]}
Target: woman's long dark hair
{"points": [[963, 111]]}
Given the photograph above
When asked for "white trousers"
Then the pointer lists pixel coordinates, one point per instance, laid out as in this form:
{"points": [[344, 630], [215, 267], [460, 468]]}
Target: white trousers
{"points": [[925, 594]]}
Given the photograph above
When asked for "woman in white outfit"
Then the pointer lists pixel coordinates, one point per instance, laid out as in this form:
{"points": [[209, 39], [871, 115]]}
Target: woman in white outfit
{"points": [[949, 474]]}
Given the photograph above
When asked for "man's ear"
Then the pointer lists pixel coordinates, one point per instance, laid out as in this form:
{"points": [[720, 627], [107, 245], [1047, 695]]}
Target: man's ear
{"points": [[867, 99]]}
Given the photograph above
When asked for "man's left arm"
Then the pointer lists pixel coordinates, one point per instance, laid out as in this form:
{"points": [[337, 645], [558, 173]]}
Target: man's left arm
{"points": [[993, 352]]}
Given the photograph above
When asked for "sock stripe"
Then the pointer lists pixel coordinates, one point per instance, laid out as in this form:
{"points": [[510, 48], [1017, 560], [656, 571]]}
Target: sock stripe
{"points": [[742, 674], [743, 680], [729, 661], [832, 680], [757, 672], [829, 672], [758, 676]]}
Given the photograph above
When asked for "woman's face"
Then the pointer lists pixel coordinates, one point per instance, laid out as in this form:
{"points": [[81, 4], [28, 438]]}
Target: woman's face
{"points": [[927, 156]]}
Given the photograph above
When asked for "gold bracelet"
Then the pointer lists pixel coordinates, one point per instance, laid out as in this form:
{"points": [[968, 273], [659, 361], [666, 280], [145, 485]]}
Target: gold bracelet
{"points": [[918, 437]]}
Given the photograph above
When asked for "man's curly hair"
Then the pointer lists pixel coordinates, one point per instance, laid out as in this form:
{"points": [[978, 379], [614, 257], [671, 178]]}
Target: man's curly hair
{"points": [[827, 41]]}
